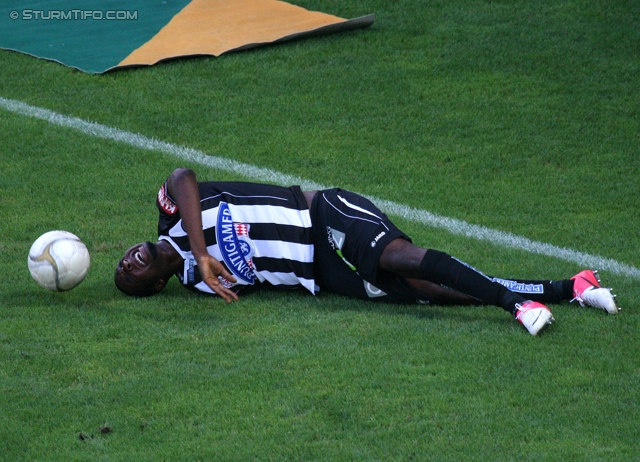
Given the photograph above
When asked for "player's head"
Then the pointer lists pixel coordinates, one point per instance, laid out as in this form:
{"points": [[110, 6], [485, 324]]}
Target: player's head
{"points": [[142, 271]]}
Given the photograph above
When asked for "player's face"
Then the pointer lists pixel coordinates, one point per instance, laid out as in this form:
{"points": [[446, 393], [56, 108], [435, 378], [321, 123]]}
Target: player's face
{"points": [[141, 265]]}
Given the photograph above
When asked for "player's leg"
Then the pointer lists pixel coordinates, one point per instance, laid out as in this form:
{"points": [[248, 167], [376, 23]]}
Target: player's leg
{"points": [[439, 295], [405, 259], [543, 291], [584, 288], [366, 241], [408, 260]]}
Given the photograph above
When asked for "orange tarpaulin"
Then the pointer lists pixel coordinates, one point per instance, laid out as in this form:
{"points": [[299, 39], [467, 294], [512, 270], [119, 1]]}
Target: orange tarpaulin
{"points": [[213, 27]]}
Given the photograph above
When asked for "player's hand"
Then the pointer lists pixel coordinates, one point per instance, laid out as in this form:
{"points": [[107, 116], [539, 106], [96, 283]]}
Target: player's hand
{"points": [[210, 269]]}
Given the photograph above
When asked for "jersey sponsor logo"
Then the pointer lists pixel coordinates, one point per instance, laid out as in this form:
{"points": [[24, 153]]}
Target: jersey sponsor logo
{"points": [[378, 237], [236, 251], [166, 204], [520, 287]]}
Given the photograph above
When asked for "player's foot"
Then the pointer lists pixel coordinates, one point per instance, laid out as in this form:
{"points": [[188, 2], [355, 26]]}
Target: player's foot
{"points": [[534, 316], [588, 291]]}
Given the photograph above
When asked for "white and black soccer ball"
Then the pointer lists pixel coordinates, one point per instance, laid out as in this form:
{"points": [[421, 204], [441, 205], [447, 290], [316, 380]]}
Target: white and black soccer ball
{"points": [[58, 260]]}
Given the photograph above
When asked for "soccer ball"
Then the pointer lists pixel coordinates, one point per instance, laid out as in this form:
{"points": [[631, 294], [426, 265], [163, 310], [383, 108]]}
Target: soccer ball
{"points": [[58, 260]]}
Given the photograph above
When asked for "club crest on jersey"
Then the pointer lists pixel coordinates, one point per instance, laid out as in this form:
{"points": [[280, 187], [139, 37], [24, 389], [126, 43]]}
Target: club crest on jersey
{"points": [[235, 246]]}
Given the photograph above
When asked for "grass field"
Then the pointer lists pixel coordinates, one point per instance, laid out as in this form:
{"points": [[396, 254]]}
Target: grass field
{"points": [[518, 116]]}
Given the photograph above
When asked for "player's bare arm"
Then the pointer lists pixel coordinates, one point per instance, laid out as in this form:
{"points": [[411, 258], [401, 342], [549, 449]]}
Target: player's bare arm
{"points": [[182, 186]]}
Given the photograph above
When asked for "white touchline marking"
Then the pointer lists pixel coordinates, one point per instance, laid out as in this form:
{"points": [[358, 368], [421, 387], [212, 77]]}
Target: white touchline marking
{"points": [[452, 225]]}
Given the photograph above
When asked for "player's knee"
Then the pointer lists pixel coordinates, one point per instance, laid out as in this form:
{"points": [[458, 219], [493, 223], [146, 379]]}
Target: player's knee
{"points": [[402, 257]]}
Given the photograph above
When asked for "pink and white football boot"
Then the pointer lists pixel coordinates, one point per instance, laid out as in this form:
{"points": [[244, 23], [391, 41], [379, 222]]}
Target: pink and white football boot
{"points": [[588, 291], [534, 316]]}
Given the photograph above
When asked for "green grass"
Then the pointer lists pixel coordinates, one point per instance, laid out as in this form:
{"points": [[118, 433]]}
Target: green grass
{"points": [[519, 116]]}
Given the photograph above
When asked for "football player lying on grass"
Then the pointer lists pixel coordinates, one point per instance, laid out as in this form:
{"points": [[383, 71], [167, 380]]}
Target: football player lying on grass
{"points": [[227, 238]]}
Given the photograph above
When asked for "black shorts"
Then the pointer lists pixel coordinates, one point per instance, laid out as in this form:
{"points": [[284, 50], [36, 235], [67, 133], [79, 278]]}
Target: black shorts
{"points": [[350, 234]]}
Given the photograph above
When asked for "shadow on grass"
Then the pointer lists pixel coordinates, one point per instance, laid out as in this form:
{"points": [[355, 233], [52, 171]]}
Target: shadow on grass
{"points": [[176, 302], [285, 301]]}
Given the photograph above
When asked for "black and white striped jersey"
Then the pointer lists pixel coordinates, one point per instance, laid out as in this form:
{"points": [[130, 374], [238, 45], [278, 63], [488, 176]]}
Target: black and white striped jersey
{"points": [[262, 234]]}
